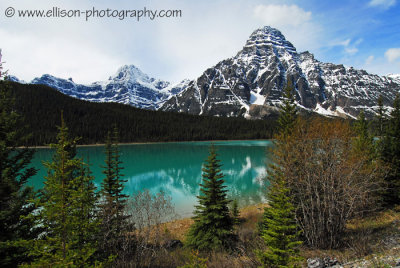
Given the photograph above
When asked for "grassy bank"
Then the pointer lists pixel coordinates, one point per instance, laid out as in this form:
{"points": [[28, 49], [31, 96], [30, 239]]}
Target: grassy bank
{"points": [[371, 241]]}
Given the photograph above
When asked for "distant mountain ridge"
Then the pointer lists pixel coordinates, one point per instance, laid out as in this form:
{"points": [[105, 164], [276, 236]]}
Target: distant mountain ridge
{"points": [[128, 86], [249, 84]]}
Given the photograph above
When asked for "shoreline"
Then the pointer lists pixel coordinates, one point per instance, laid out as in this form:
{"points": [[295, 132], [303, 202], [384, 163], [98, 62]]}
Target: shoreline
{"points": [[139, 143]]}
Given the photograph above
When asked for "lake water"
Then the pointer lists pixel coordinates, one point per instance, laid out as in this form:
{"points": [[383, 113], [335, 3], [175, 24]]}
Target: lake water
{"points": [[175, 168]]}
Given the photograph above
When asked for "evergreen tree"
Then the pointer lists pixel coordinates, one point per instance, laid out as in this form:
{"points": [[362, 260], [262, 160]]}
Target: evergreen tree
{"points": [[84, 217], [381, 116], [363, 144], [288, 112], [67, 210], [390, 153], [213, 226], [15, 196], [235, 213], [278, 227], [280, 231], [114, 221]]}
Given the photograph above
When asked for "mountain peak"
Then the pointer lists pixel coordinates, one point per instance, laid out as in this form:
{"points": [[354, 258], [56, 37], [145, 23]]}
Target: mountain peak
{"points": [[268, 36], [267, 30], [128, 67], [129, 72]]}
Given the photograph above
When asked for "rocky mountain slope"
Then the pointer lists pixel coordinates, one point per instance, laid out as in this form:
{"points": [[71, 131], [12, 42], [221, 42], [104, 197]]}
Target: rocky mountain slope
{"points": [[251, 83]]}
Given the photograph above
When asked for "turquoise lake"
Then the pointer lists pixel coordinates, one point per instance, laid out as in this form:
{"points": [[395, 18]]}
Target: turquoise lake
{"points": [[175, 168]]}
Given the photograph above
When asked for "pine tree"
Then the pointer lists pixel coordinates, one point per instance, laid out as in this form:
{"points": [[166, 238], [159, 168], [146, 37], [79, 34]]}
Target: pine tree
{"points": [[114, 220], [278, 227], [213, 226], [390, 154], [15, 196], [67, 210]]}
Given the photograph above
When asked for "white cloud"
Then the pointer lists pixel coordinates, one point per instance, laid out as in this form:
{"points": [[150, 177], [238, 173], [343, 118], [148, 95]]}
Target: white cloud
{"points": [[369, 60], [351, 50], [380, 65], [349, 47], [359, 41], [282, 15], [81, 61], [392, 54], [202, 38], [169, 49], [344, 43], [382, 3]]}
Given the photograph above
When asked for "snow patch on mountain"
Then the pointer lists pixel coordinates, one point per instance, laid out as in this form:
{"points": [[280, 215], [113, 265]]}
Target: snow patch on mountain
{"points": [[256, 98]]}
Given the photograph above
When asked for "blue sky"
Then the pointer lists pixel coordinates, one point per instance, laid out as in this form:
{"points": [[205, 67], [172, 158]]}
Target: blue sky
{"points": [[362, 34]]}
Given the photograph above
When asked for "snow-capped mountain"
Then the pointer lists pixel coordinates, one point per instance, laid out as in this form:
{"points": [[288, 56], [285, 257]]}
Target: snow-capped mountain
{"points": [[251, 83], [129, 86]]}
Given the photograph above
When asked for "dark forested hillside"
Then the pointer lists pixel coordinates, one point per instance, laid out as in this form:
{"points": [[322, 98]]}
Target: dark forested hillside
{"points": [[41, 107]]}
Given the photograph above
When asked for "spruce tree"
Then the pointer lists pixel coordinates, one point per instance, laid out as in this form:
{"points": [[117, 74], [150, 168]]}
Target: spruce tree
{"points": [[280, 232], [288, 112], [278, 227], [363, 143], [381, 116], [66, 210], [235, 213], [113, 202], [15, 196], [390, 154], [84, 217], [213, 226]]}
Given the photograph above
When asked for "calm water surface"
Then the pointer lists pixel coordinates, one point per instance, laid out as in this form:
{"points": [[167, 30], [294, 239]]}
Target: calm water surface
{"points": [[175, 168]]}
